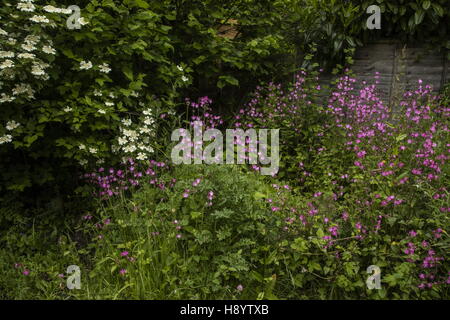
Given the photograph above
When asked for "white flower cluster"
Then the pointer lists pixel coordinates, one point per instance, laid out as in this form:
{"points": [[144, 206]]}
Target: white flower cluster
{"points": [[7, 64], [86, 65], [135, 138], [40, 19], [23, 89], [10, 126], [26, 6], [5, 139], [183, 77], [22, 54], [52, 9]]}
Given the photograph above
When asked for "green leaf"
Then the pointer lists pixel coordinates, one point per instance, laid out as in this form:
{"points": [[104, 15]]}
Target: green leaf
{"points": [[418, 17], [426, 5], [128, 73], [320, 233], [400, 137], [259, 195], [195, 214], [223, 80], [438, 9], [142, 4]]}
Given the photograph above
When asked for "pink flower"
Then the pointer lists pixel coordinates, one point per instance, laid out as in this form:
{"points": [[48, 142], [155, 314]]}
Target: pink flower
{"points": [[26, 272], [240, 288], [124, 253], [123, 271], [437, 233]]}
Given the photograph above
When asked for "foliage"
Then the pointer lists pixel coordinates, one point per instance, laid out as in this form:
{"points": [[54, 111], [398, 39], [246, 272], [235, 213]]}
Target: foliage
{"points": [[373, 191]]}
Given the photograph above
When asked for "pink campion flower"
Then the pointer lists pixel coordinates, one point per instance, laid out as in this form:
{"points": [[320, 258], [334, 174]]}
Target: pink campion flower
{"points": [[61, 275], [410, 250], [240, 288], [412, 233], [26, 272], [124, 253], [123, 271], [333, 230], [358, 164], [178, 236], [437, 233], [345, 215], [403, 180], [361, 154]]}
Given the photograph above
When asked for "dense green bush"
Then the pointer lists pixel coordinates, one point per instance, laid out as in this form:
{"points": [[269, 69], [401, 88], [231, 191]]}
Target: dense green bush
{"points": [[127, 58]]}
